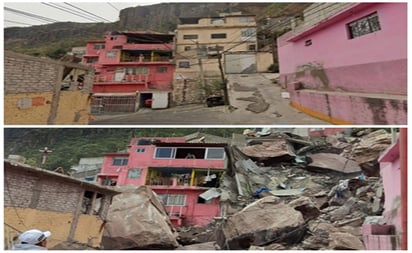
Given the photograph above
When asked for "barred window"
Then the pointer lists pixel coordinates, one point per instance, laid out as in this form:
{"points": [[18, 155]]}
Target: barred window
{"points": [[173, 199], [120, 161], [365, 25]]}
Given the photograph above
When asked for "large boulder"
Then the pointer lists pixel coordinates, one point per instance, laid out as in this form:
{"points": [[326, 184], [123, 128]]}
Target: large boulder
{"points": [[263, 222], [345, 241], [333, 162], [137, 220]]}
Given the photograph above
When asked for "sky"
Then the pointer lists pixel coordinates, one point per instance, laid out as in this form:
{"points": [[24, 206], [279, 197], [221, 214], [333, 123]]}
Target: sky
{"points": [[107, 11]]}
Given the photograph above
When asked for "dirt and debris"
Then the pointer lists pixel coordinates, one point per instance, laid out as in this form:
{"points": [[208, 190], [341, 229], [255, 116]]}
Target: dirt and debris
{"points": [[309, 194]]}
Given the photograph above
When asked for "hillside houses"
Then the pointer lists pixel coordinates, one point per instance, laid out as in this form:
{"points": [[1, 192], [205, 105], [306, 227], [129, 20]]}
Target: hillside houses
{"points": [[149, 69]]}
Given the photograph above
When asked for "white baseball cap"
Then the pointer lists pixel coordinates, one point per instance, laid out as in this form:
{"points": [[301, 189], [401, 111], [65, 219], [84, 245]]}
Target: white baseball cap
{"points": [[34, 236]]}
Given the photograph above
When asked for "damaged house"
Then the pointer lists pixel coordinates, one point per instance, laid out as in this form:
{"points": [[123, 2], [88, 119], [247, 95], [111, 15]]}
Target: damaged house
{"points": [[73, 210], [184, 175]]}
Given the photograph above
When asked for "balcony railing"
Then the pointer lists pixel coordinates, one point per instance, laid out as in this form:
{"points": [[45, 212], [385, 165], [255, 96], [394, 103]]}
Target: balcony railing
{"points": [[125, 79]]}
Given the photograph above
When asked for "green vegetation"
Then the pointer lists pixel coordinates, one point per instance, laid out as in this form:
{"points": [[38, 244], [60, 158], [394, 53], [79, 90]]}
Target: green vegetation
{"points": [[68, 145]]}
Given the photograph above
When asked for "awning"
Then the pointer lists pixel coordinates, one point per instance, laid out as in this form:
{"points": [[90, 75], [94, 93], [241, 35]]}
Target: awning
{"points": [[210, 194]]}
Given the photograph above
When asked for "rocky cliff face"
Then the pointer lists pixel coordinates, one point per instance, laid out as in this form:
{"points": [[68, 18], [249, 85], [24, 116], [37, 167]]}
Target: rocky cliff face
{"points": [[43, 40], [164, 17]]}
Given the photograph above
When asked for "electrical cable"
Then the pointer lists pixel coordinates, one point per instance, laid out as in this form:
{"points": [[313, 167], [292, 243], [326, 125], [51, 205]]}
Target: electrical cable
{"points": [[88, 12], [54, 5], [31, 15]]}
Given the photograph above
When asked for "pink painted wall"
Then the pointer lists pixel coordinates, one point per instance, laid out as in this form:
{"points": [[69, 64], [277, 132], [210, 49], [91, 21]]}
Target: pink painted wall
{"points": [[106, 66], [374, 63], [325, 132], [353, 109], [377, 237], [391, 178], [194, 213]]}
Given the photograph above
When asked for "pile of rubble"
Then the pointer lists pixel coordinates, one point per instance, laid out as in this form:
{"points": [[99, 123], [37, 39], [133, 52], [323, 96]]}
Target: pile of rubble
{"points": [[288, 192]]}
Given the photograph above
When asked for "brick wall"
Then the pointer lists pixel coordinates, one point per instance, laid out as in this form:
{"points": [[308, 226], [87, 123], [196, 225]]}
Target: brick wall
{"points": [[42, 200], [26, 190], [29, 74]]}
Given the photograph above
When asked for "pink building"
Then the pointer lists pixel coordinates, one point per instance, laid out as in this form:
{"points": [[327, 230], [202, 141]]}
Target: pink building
{"points": [[319, 132], [177, 171], [389, 235], [133, 69], [347, 63]]}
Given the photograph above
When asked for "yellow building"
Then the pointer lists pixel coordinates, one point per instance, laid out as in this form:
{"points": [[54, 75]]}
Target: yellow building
{"points": [[200, 42], [40, 91], [73, 210]]}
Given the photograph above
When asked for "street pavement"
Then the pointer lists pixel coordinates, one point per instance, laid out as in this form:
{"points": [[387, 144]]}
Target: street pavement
{"points": [[254, 98]]}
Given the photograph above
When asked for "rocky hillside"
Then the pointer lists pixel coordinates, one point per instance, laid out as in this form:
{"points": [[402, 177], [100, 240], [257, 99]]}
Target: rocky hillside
{"points": [[53, 40]]}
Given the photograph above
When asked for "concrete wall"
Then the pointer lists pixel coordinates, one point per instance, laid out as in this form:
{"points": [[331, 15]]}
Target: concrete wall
{"points": [[33, 96], [363, 65], [263, 61]]}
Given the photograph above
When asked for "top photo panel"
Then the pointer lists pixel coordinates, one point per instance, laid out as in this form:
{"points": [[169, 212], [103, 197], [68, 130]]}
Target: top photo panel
{"points": [[205, 63]]}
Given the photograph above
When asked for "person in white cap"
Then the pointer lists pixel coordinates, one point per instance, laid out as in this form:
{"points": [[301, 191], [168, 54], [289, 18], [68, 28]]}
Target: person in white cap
{"points": [[32, 239]]}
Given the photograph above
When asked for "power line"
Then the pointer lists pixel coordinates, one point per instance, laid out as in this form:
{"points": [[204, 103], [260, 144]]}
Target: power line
{"points": [[114, 7], [88, 12], [30, 15], [69, 11]]}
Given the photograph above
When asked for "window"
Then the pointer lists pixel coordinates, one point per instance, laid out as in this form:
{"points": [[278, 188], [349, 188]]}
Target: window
{"points": [[246, 19], [92, 60], [187, 48], [113, 38], [216, 48], [308, 43], [134, 173], [111, 54], [218, 36], [137, 71], [98, 46], [140, 150], [365, 25], [248, 34], [190, 36], [173, 199], [161, 69], [201, 200], [165, 153], [184, 64], [251, 47], [120, 161], [215, 153]]}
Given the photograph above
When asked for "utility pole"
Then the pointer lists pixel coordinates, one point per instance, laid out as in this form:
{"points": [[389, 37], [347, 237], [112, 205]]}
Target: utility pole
{"points": [[202, 76], [224, 81]]}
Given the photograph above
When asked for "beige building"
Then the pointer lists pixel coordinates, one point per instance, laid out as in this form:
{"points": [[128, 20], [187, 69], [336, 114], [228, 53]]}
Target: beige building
{"points": [[73, 210], [200, 42]]}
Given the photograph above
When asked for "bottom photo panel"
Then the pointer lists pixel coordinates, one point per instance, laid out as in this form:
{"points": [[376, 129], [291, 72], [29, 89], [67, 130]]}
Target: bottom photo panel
{"points": [[205, 188]]}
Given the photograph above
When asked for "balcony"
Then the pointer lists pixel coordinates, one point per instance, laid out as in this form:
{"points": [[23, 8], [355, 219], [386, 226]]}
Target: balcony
{"points": [[141, 79]]}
